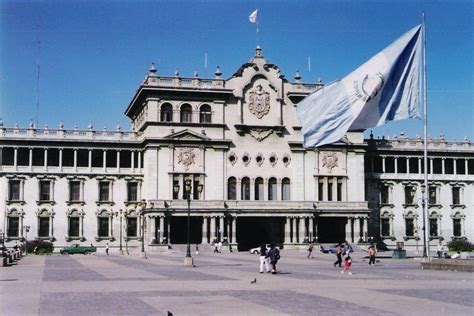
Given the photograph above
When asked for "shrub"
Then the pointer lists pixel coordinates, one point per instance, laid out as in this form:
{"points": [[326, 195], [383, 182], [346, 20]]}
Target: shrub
{"points": [[460, 245], [39, 246]]}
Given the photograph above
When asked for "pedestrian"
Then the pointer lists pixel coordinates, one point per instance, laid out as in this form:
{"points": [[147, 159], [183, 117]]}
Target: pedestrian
{"points": [[274, 255], [372, 252], [264, 261], [338, 255], [219, 247], [347, 265], [310, 250], [107, 248], [439, 249], [197, 249], [347, 249]]}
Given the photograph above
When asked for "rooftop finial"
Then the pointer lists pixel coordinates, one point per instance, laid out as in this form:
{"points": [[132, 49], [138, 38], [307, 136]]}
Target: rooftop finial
{"points": [[176, 72], [61, 124], [258, 52], [218, 72], [152, 70], [196, 74], [297, 76], [319, 80], [90, 126]]}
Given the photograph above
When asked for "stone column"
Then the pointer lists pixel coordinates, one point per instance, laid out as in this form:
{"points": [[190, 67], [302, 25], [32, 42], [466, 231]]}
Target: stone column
{"points": [[221, 228], [152, 230], [365, 233], [89, 162], [293, 235], [278, 192], [265, 189], [287, 230], [204, 239], [30, 162], [234, 229], [315, 233], [81, 225], [348, 229], [133, 160], [300, 229], [252, 189], [356, 229], [212, 229], [51, 233], [383, 164], [162, 229], [104, 160], [395, 161], [310, 228]]}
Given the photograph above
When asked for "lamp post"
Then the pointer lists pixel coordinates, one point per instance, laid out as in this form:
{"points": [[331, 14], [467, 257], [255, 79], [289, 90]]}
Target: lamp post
{"points": [[120, 250], [188, 260], [423, 204], [142, 252], [27, 230]]}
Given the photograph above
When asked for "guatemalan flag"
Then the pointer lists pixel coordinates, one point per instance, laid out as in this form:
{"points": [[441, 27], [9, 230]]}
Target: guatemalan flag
{"points": [[385, 88]]}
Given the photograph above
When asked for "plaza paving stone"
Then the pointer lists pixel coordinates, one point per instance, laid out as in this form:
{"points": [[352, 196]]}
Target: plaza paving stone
{"points": [[219, 284]]}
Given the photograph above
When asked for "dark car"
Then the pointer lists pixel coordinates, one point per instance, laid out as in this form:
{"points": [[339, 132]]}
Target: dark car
{"points": [[330, 249]]}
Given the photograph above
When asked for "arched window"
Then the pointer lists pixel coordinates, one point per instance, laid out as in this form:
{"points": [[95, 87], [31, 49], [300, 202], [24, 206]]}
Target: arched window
{"points": [[103, 219], [285, 189], [13, 224], [457, 225], [409, 225], [44, 224], [232, 188], [259, 189], [166, 113], [186, 113], [385, 225], [132, 224], [434, 224], [272, 189], [245, 192], [74, 224], [205, 114]]}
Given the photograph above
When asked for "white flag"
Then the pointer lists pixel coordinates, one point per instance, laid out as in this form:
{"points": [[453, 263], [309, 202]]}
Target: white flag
{"points": [[385, 88], [253, 16]]}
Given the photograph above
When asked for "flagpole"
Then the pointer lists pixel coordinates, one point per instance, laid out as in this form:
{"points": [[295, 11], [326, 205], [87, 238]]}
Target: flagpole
{"points": [[426, 249], [257, 33]]}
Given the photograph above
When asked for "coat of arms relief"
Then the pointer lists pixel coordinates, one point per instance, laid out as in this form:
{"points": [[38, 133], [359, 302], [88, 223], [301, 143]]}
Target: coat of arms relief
{"points": [[186, 157], [259, 102], [330, 161]]}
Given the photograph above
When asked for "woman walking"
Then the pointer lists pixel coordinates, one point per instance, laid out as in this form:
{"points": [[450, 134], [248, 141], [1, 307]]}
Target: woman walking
{"points": [[338, 256]]}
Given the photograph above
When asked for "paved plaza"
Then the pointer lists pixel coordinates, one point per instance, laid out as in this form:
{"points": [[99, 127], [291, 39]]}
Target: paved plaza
{"points": [[220, 284]]}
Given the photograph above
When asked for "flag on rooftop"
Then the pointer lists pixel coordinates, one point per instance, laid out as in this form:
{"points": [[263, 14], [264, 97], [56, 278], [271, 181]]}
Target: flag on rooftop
{"points": [[253, 16], [385, 88]]}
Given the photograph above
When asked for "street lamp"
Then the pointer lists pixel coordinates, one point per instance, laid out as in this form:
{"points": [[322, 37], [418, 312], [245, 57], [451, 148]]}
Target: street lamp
{"points": [[143, 206], [423, 204], [120, 213], [188, 260], [27, 230]]}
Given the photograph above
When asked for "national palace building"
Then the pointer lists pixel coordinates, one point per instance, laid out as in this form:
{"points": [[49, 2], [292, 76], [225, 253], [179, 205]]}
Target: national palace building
{"points": [[237, 143]]}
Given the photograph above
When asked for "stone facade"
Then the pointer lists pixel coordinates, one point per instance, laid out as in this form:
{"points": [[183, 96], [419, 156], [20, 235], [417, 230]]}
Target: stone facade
{"points": [[236, 145]]}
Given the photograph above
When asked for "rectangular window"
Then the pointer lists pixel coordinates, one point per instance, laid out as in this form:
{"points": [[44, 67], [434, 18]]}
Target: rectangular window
{"points": [[103, 227], [432, 199], [402, 165], [176, 185], [38, 157], [433, 227], [321, 190], [196, 194], [330, 189], [389, 164], [460, 166], [104, 188], [457, 227], [456, 196], [14, 191], [339, 190], [73, 227], [385, 223], [74, 191], [132, 194], [13, 227], [45, 191], [23, 156], [413, 165], [8, 156], [409, 195], [384, 194], [409, 227], [132, 225], [53, 157], [43, 230]]}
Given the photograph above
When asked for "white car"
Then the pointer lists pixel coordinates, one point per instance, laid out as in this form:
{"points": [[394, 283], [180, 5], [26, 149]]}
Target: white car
{"points": [[255, 250]]}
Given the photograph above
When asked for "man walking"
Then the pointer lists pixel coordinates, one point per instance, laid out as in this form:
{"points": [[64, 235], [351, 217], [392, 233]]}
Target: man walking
{"points": [[264, 261], [338, 256]]}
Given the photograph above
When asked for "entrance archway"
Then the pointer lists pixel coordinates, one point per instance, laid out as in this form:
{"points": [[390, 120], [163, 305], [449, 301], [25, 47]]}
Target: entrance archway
{"points": [[331, 229], [178, 231], [253, 231]]}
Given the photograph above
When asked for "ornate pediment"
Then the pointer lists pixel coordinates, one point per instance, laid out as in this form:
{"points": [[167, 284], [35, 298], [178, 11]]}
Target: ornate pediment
{"points": [[187, 135], [259, 132]]}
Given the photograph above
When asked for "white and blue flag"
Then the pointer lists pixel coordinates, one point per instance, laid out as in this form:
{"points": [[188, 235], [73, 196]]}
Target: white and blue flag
{"points": [[385, 88]]}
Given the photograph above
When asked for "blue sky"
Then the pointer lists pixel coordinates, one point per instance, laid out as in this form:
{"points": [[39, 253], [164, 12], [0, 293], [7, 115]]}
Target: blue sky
{"points": [[94, 54]]}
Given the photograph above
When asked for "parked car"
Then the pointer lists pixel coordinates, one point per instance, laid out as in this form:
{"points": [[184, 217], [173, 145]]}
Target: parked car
{"points": [[330, 249], [76, 248], [255, 250]]}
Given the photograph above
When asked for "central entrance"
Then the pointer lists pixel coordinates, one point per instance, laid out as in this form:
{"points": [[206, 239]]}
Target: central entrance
{"points": [[331, 229], [253, 231], [179, 226]]}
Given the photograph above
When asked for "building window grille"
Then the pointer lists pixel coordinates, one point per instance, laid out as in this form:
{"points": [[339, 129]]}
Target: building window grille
{"points": [[104, 193], [245, 192], [45, 191], [14, 190], [166, 113], [259, 189], [410, 192], [132, 191], [186, 114], [456, 195], [13, 229], [285, 189], [132, 224], [272, 189], [232, 188], [205, 115]]}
